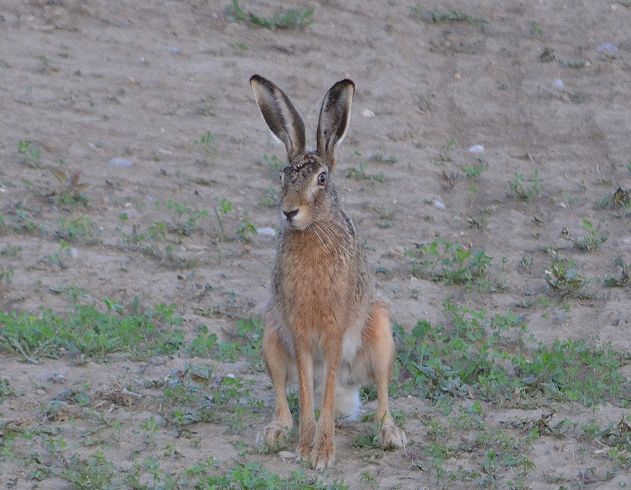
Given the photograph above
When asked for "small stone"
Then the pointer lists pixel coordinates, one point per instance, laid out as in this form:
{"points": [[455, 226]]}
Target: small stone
{"points": [[175, 50], [397, 251], [286, 454], [608, 49], [476, 149], [438, 204], [266, 231], [120, 162], [558, 84], [368, 113], [457, 76]]}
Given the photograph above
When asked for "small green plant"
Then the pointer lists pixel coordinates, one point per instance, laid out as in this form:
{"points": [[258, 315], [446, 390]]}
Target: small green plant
{"points": [[94, 473], [474, 171], [482, 355], [270, 199], [450, 262], [563, 277], [76, 230], [624, 276], [273, 165], [360, 173], [380, 158], [594, 238], [91, 332], [283, 19], [70, 190], [535, 29], [246, 231], [446, 16], [186, 218], [208, 146], [526, 188], [30, 152], [621, 198], [207, 106], [225, 206]]}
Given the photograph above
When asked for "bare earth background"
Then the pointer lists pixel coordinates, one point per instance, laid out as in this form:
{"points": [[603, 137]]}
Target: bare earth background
{"points": [[82, 82]]}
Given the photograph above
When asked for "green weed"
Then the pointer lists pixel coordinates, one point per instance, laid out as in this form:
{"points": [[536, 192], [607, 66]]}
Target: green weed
{"points": [[70, 189], [186, 218], [526, 188], [94, 473], [593, 239], [208, 146], [486, 357], [446, 16], [474, 171], [360, 173], [450, 262], [380, 158], [624, 277], [76, 230], [91, 332], [270, 199], [283, 19], [30, 153], [563, 277]]}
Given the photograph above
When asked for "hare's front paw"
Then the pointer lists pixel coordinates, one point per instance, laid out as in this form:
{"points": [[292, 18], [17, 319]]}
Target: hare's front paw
{"points": [[322, 455], [390, 436], [275, 434]]}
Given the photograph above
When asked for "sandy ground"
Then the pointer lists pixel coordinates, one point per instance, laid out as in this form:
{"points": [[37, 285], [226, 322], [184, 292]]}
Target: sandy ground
{"points": [[88, 81]]}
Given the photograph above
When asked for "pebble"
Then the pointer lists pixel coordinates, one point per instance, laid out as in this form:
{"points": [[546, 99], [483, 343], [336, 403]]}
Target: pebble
{"points": [[558, 84], [438, 204], [175, 50], [476, 149], [286, 454], [608, 49], [368, 113], [397, 251], [120, 162], [266, 231]]}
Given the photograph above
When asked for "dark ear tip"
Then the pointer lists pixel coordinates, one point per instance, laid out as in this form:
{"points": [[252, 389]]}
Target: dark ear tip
{"points": [[256, 78], [348, 82]]}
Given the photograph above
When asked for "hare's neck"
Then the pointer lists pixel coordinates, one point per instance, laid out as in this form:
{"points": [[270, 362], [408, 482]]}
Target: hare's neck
{"points": [[331, 238]]}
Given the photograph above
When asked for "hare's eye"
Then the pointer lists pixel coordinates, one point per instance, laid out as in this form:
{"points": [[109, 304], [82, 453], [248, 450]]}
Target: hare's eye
{"points": [[322, 178]]}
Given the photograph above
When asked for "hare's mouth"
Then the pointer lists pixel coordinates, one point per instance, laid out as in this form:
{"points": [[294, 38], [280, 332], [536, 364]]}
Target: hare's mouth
{"points": [[296, 219]]}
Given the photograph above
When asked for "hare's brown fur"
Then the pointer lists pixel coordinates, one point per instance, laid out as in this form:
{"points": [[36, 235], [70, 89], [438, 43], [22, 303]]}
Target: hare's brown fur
{"points": [[323, 322]]}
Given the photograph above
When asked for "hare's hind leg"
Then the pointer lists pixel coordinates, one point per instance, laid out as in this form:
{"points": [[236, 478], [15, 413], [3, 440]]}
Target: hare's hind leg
{"points": [[379, 348], [277, 360]]}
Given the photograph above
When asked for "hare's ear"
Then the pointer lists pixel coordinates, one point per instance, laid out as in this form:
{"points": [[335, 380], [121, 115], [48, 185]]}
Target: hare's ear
{"points": [[335, 115], [280, 115]]}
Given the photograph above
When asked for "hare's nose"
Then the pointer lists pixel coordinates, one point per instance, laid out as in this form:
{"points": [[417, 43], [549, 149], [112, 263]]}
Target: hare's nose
{"points": [[290, 214]]}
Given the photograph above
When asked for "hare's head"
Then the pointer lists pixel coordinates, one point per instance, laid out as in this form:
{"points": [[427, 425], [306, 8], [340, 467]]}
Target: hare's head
{"points": [[308, 194]]}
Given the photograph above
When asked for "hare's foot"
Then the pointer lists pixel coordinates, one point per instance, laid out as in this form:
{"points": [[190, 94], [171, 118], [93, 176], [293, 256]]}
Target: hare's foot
{"points": [[323, 452], [307, 431], [276, 433], [391, 437]]}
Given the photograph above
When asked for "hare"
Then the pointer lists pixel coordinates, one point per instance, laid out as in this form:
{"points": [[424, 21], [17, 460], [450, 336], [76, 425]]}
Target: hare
{"points": [[323, 324]]}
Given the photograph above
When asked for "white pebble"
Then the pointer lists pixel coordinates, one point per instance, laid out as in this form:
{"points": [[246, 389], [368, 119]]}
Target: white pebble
{"points": [[368, 113], [120, 162], [286, 454], [266, 231], [558, 84], [608, 49], [476, 149], [438, 204]]}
